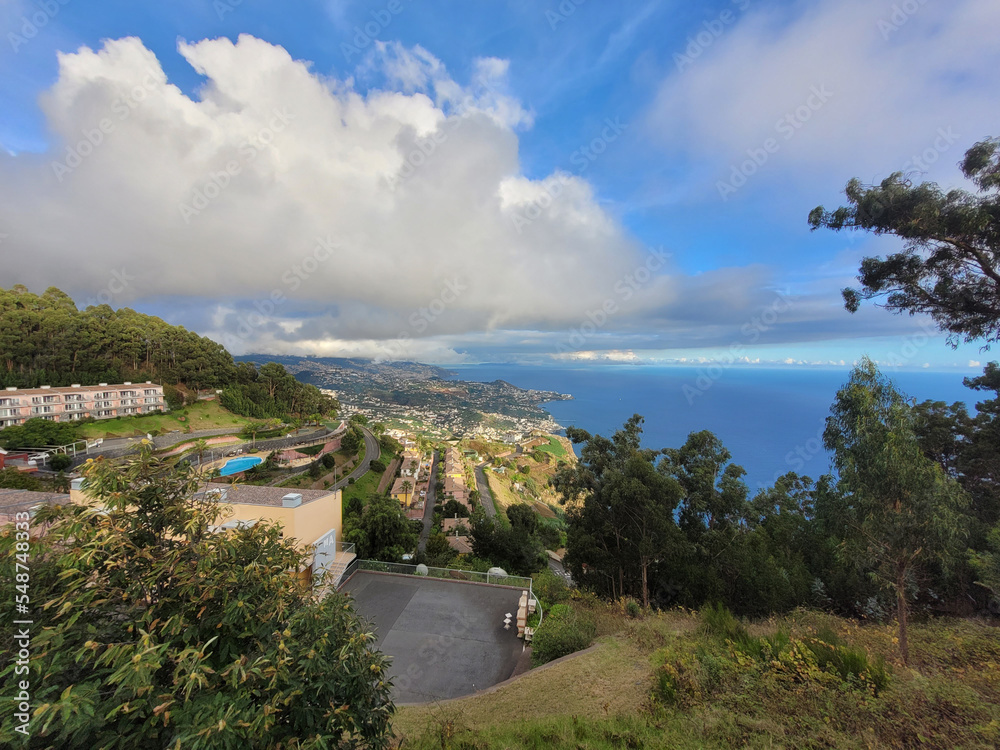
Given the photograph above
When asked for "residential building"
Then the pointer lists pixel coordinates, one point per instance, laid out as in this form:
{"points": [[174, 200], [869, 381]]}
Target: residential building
{"points": [[313, 519], [67, 404]]}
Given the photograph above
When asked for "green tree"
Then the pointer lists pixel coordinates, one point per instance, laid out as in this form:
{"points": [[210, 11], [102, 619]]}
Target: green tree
{"points": [[352, 440], [950, 264], [159, 632], [383, 532], [37, 432], [624, 523], [60, 462], [904, 509]]}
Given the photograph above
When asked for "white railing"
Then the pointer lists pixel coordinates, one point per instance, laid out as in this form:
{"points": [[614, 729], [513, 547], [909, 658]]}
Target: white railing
{"points": [[452, 574]]}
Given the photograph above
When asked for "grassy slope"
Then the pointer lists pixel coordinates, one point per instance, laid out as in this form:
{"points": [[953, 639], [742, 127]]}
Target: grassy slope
{"points": [[205, 415], [949, 697]]}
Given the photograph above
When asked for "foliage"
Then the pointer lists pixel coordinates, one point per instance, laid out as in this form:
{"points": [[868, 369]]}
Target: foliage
{"points": [[158, 632], [13, 479], [453, 508], [272, 392], [950, 265], [987, 562], [514, 549], [352, 441], [60, 462], [625, 520], [563, 631], [37, 432], [328, 460], [904, 509], [45, 340], [382, 531]]}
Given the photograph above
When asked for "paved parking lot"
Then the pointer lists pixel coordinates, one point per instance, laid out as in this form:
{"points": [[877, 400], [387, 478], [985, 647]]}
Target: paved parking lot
{"points": [[446, 638]]}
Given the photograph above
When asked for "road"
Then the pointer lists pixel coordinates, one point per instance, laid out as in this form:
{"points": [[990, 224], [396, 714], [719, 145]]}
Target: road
{"points": [[557, 567], [485, 496], [372, 452], [425, 533]]}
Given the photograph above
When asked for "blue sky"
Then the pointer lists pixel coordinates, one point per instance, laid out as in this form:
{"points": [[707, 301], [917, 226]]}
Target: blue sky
{"points": [[506, 181]]}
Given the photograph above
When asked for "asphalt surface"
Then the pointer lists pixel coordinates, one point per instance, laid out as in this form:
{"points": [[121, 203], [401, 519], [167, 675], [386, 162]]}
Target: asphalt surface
{"points": [[372, 451], [446, 638], [425, 533], [557, 568], [485, 496]]}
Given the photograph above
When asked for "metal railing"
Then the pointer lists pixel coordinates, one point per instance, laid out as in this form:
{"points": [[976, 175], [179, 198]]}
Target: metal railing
{"points": [[452, 574]]}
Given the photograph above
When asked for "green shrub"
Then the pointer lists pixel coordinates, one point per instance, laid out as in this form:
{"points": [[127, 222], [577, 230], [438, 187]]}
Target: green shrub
{"points": [[563, 631], [632, 608], [60, 462], [717, 620]]}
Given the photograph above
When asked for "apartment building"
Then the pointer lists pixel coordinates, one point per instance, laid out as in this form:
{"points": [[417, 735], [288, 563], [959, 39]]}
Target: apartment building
{"points": [[100, 401]]}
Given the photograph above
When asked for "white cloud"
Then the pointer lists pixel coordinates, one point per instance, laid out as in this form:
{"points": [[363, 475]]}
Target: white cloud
{"points": [[413, 189], [892, 89]]}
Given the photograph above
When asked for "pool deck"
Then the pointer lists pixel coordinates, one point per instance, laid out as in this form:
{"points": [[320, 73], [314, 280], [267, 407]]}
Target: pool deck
{"points": [[446, 638]]}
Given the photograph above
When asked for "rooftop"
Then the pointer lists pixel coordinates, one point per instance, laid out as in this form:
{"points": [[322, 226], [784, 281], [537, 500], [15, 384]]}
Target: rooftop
{"points": [[19, 500], [249, 494]]}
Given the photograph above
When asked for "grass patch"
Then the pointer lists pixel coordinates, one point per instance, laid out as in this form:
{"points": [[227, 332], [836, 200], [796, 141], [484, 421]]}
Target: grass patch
{"points": [[554, 447], [204, 415], [311, 450], [726, 695]]}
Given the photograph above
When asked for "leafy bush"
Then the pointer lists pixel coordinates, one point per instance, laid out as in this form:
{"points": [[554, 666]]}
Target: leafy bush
{"points": [[329, 460], [60, 462], [563, 631], [632, 608]]}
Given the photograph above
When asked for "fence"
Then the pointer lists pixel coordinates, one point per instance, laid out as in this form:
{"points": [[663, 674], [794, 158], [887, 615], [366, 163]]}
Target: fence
{"points": [[452, 574], [262, 446]]}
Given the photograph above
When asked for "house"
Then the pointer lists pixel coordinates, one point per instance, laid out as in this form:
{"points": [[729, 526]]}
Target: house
{"points": [[402, 490], [100, 401], [313, 519]]}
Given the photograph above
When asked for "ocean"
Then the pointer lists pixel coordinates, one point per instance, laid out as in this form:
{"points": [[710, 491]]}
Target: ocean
{"points": [[771, 420]]}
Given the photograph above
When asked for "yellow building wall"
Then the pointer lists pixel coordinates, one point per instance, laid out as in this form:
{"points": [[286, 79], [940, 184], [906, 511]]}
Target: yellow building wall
{"points": [[306, 524]]}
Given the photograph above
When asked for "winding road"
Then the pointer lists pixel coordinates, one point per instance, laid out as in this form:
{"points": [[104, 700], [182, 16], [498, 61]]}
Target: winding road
{"points": [[372, 452]]}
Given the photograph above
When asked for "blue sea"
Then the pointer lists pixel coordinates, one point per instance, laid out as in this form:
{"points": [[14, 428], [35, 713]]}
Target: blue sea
{"points": [[771, 420]]}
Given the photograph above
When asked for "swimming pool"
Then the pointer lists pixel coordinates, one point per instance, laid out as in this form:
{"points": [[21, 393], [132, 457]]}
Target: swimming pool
{"points": [[236, 465]]}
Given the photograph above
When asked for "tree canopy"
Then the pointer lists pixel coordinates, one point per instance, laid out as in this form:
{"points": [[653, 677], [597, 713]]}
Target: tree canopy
{"points": [[950, 264], [151, 629], [46, 340]]}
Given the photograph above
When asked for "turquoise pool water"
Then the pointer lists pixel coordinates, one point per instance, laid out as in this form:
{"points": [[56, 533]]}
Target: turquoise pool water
{"points": [[236, 465]]}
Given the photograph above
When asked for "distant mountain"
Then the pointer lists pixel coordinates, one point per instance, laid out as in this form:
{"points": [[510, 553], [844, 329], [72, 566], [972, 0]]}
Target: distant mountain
{"points": [[296, 365]]}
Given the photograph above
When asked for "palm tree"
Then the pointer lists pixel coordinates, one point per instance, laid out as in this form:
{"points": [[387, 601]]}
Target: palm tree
{"points": [[406, 487], [200, 446]]}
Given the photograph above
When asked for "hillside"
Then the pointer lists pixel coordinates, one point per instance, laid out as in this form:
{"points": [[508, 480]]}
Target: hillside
{"points": [[46, 340], [612, 695]]}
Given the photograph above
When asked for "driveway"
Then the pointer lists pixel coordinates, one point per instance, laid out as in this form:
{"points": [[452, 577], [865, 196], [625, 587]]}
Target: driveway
{"points": [[425, 533], [446, 638], [485, 496]]}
